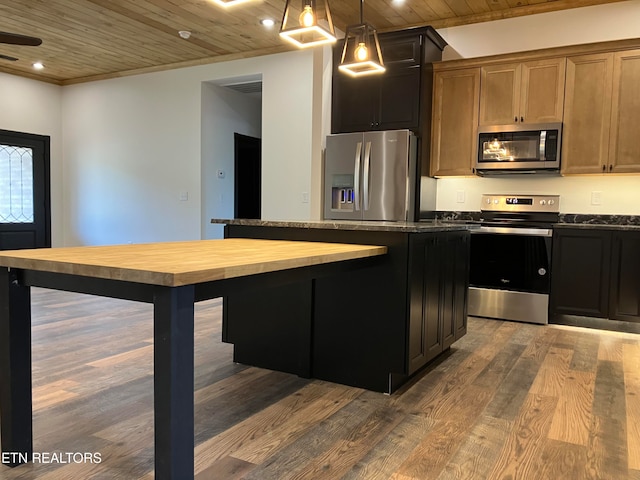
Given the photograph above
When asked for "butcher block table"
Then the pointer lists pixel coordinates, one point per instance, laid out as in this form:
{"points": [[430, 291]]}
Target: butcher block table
{"points": [[172, 276]]}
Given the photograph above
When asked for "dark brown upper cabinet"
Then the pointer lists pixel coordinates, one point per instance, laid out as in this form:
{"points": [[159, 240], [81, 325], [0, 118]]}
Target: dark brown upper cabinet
{"points": [[396, 99]]}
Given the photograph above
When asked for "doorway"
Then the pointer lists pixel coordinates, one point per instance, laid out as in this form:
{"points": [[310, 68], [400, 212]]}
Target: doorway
{"points": [[248, 176], [25, 201]]}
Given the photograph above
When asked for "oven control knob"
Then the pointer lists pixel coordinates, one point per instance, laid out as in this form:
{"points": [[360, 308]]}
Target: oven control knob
{"points": [[488, 201], [542, 271], [551, 202], [496, 201], [543, 202]]}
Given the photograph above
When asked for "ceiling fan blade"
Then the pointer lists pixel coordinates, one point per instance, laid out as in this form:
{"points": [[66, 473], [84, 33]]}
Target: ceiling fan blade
{"points": [[7, 57], [16, 39]]}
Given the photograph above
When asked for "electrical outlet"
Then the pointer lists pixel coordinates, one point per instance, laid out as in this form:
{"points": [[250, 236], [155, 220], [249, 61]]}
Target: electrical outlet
{"points": [[183, 196], [305, 197], [460, 196], [596, 198]]}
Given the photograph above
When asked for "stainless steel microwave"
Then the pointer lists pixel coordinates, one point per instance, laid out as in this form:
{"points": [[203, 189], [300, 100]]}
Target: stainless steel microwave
{"points": [[521, 148]]}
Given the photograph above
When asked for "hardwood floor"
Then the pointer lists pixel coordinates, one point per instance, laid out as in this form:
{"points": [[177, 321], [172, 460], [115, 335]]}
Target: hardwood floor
{"points": [[509, 401]]}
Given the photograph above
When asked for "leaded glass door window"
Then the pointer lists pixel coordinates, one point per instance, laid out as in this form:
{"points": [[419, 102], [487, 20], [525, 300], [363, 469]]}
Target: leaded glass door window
{"points": [[24, 191], [16, 184]]}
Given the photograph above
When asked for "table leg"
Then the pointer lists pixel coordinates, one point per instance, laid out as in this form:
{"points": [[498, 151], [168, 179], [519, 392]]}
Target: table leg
{"points": [[173, 382], [15, 370]]}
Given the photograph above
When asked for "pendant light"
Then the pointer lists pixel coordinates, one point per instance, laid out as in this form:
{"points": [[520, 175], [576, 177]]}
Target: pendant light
{"points": [[229, 3], [310, 27], [361, 54]]}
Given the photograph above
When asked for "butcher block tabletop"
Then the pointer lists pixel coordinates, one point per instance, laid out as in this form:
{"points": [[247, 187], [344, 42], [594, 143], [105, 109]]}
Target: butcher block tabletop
{"points": [[175, 264]]}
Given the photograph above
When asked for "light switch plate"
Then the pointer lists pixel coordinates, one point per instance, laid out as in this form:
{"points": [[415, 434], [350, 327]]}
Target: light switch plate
{"points": [[596, 198]]}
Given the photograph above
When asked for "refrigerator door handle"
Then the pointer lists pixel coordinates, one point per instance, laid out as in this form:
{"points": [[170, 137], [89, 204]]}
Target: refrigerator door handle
{"points": [[356, 175], [367, 161]]}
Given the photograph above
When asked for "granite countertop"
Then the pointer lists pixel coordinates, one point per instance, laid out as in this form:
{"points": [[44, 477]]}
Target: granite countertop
{"points": [[408, 227], [567, 220], [598, 226], [605, 222]]}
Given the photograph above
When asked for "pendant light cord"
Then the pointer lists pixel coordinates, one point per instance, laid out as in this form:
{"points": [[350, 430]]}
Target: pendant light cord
{"points": [[361, 11]]}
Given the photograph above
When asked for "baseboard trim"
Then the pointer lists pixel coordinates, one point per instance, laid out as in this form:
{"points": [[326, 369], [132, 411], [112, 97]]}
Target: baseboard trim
{"points": [[593, 322]]}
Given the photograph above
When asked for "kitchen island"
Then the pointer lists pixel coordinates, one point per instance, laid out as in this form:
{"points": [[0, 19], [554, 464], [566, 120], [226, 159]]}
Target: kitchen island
{"points": [[374, 328], [171, 276]]}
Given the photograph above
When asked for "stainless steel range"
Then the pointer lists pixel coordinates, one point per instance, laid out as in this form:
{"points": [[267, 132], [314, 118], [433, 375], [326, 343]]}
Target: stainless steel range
{"points": [[510, 257]]}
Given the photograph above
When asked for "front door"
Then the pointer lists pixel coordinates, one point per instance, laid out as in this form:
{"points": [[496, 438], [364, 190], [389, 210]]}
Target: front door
{"points": [[25, 204]]}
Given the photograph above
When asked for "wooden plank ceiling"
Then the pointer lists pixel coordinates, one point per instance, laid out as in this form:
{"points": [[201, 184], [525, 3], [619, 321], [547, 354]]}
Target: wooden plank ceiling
{"points": [[86, 40]]}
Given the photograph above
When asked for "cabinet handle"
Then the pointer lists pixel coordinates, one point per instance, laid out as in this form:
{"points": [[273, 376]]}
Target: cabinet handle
{"points": [[371, 124], [473, 170], [611, 167], [515, 119], [522, 119], [604, 168]]}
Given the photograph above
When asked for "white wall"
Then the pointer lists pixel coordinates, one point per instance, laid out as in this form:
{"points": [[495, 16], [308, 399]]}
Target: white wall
{"points": [[619, 194], [598, 23], [133, 145], [34, 107], [614, 21], [224, 112]]}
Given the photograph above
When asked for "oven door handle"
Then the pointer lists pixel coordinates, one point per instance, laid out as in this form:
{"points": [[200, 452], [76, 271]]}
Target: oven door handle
{"points": [[535, 232]]}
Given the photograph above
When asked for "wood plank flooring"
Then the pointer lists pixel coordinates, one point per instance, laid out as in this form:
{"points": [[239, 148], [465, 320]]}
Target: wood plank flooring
{"points": [[508, 401]]}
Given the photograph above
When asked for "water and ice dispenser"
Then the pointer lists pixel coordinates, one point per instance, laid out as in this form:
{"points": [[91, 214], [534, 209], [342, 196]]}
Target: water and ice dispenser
{"points": [[342, 193]]}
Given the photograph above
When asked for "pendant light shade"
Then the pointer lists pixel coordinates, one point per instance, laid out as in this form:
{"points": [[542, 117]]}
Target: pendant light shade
{"points": [[361, 54], [229, 3], [308, 26]]}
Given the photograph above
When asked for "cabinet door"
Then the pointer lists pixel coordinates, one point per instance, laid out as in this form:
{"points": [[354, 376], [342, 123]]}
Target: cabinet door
{"points": [[399, 100], [355, 103], [542, 91], [448, 260], [625, 277], [580, 266], [624, 153], [461, 283], [454, 133], [587, 114], [500, 94], [425, 327]]}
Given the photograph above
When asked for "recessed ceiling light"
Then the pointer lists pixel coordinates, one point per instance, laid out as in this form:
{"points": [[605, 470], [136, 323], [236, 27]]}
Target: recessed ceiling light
{"points": [[184, 34], [267, 22], [38, 65], [229, 3]]}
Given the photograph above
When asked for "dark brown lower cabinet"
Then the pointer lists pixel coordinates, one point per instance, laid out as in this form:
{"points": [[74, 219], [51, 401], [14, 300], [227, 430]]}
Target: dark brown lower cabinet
{"points": [[596, 273], [580, 264], [624, 296], [372, 327]]}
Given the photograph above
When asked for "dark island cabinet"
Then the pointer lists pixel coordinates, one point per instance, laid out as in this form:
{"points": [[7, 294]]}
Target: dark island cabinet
{"points": [[439, 285], [596, 273], [370, 328], [396, 99]]}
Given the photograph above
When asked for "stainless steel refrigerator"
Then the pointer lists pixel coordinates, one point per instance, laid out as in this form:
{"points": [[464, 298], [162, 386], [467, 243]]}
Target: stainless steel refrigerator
{"points": [[370, 176]]}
